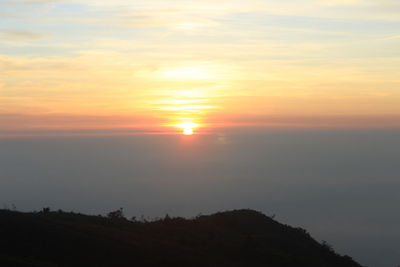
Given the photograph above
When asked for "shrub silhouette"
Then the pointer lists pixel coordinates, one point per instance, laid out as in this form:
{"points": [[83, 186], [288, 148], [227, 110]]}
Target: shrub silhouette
{"points": [[241, 238]]}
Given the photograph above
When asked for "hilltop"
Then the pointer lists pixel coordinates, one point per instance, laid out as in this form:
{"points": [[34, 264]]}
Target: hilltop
{"points": [[232, 238]]}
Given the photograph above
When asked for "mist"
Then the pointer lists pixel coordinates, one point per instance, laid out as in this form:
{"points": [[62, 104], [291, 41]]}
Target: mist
{"points": [[341, 185]]}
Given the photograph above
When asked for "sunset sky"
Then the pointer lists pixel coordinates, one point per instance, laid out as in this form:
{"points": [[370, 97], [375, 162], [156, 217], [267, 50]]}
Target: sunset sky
{"points": [[293, 107], [100, 66]]}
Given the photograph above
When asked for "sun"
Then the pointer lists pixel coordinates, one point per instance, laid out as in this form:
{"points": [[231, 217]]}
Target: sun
{"points": [[188, 131], [188, 127]]}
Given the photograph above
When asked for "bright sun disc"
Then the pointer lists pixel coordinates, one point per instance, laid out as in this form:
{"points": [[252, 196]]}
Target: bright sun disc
{"points": [[188, 131], [187, 127]]}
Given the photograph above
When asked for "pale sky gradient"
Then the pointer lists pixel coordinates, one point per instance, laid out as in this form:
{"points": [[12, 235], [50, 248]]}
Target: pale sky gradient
{"points": [[145, 66]]}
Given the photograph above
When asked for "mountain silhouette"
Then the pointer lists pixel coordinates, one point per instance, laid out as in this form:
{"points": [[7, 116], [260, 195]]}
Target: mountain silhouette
{"points": [[232, 238]]}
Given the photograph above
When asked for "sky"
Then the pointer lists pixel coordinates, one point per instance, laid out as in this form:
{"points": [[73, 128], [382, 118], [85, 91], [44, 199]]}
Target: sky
{"points": [[148, 66], [174, 106]]}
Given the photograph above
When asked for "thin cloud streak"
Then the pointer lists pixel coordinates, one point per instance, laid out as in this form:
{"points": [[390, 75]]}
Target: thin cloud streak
{"points": [[21, 35]]}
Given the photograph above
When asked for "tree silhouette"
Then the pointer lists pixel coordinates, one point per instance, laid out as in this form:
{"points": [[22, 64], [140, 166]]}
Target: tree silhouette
{"points": [[116, 214]]}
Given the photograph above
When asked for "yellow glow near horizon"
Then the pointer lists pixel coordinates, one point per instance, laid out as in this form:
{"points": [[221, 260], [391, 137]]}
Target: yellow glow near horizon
{"points": [[200, 72], [185, 109]]}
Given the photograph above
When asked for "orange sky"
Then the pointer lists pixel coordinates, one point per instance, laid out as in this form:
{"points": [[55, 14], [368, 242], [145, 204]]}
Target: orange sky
{"points": [[129, 66]]}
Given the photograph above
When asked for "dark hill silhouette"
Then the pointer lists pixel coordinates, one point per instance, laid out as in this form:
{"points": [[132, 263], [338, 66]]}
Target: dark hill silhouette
{"points": [[234, 238]]}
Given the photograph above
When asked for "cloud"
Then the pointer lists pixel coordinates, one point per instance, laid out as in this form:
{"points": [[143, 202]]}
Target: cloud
{"points": [[52, 124], [165, 18], [343, 2], [348, 9], [313, 121], [45, 124], [30, 2], [21, 35], [392, 37]]}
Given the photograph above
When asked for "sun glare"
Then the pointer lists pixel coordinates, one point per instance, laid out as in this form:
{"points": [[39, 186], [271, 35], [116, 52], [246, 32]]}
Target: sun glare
{"points": [[186, 110], [193, 71], [188, 131], [187, 127], [183, 73]]}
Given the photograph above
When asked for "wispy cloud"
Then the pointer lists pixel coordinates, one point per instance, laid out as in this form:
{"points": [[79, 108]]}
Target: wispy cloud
{"points": [[29, 2], [21, 35]]}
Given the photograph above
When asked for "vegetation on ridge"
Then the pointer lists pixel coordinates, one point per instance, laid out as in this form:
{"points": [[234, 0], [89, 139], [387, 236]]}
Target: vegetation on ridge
{"points": [[233, 238]]}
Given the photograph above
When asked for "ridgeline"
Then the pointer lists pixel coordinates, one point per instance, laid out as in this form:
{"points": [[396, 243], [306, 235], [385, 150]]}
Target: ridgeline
{"points": [[234, 238]]}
